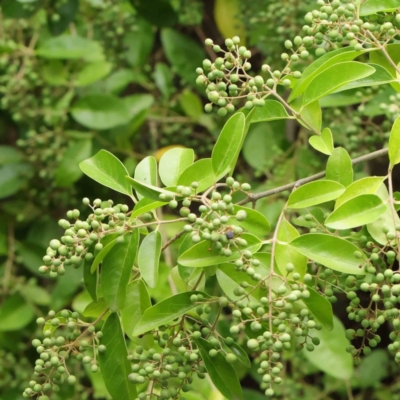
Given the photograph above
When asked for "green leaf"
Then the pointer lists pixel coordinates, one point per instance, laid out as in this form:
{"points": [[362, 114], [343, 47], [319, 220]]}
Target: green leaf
{"points": [[148, 191], [320, 65], [204, 254], [166, 311], [191, 104], [333, 252], [116, 270], [158, 12], [173, 163], [145, 205], [54, 73], [146, 172], [361, 210], [380, 57], [49, 327], [368, 185], [320, 307], [394, 143], [314, 193], [149, 258], [102, 253], [270, 111], [12, 179], [15, 313], [183, 53], [163, 79], [323, 143], [92, 72], [330, 356], [119, 80], [339, 167], [374, 6], [114, 364], [311, 114], [227, 19], [284, 254], [239, 352], [255, 222], [107, 170], [67, 12], [68, 47], [9, 155], [95, 309], [136, 303], [222, 373], [228, 145], [68, 170], [335, 77], [100, 111], [202, 172], [90, 280]]}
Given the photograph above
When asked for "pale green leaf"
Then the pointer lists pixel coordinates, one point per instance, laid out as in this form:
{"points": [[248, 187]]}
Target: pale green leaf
{"points": [[173, 163], [201, 172], [394, 143], [339, 167], [323, 143], [146, 172], [149, 258]]}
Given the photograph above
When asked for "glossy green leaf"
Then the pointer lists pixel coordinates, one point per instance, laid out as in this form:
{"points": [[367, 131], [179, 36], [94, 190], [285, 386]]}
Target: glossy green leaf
{"points": [[145, 205], [320, 307], [335, 77], [68, 47], [107, 170], [204, 254], [368, 185], [254, 223], [202, 172], [183, 53], [394, 143], [95, 309], [284, 254], [173, 163], [333, 252], [146, 172], [228, 145], [15, 313], [221, 372], [314, 193], [149, 258], [239, 352], [191, 104], [68, 170], [361, 210], [380, 57], [92, 72], [311, 114], [101, 254], [369, 7], [227, 19], [330, 356], [136, 303], [323, 143], [339, 167], [270, 111], [100, 111], [114, 364], [116, 270], [321, 64], [148, 191], [165, 311]]}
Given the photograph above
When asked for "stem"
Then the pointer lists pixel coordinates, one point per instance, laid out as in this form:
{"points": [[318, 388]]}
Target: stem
{"points": [[198, 281]]}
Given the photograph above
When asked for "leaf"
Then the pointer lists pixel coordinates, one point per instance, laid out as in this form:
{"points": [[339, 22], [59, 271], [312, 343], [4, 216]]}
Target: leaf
{"points": [[173, 163], [380, 57], [15, 313], [320, 307], [254, 223], [314, 193], [107, 170], [68, 47], [227, 19], [221, 372], [228, 145], [394, 143], [241, 355], [333, 252], [166, 311], [271, 111], [116, 270], [368, 185], [148, 191], [374, 6], [114, 364], [145, 205], [92, 72], [320, 65], [202, 172], [66, 11], [90, 279], [335, 77], [146, 172], [12, 179], [158, 12], [9, 155], [102, 253], [163, 79], [183, 53], [323, 143], [361, 210], [68, 170], [284, 254], [330, 355], [204, 254], [54, 73], [118, 80], [100, 111], [136, 303], [311, 114], [149, 258], [339, 167], [191, 104]]}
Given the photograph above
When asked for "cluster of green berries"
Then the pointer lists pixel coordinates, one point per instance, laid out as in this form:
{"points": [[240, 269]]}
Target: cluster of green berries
{"points": [[77, 342]]}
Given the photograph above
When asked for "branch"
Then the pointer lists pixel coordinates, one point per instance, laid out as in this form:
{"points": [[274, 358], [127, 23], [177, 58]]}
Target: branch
{"points": [[254, 197]]}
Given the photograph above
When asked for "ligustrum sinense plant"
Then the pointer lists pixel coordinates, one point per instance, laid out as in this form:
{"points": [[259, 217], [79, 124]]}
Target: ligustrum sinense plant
{"points": [[244, 295]]}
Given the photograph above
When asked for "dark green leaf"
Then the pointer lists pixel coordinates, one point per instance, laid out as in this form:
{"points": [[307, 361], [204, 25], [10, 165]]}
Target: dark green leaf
{"points": [[15, 313], [101, 254], [67, 11], [394, 143]]}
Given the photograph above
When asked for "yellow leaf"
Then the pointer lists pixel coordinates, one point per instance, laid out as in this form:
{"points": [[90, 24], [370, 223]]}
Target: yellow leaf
{"points": [[226, 17], [160, 152]]}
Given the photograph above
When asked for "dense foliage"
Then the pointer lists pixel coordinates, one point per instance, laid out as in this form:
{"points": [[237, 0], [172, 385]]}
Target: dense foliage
{"points": [[210, 257]]}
